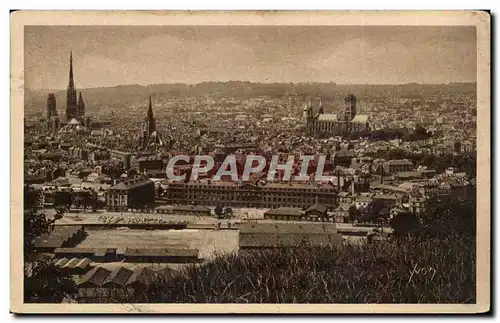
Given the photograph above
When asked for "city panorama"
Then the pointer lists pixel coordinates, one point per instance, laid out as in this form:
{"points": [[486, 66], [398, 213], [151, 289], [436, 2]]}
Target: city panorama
{"points": [[250, 164]]}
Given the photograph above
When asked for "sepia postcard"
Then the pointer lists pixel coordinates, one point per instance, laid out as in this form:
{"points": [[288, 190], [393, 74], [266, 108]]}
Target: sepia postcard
{"points": [[250, 162]]}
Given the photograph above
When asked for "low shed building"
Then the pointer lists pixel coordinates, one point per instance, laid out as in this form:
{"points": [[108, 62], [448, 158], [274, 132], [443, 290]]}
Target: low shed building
{"points": [[285, 213], [62, 236]]}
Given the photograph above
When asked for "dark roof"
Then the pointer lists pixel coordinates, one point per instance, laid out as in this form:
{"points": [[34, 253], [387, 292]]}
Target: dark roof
{"points": [[143, 275], [320, 208], [118, 276], [95, 276], [57, 237], [131, 183], [287, 211], [161, 252]]}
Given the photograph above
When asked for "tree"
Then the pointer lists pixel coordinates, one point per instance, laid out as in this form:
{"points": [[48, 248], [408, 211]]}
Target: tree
{"points": [[404, 223], [62, 200], [376, 209], [354, 213], [449, 216], [228, 213], [132, 172], [89, 200], [219, 211], [113, 169], [420, 133], [43, 283]]}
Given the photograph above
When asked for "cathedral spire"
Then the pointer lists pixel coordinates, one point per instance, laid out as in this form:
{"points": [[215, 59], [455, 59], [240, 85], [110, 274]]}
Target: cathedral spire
{"points": [[71, 104], [80, 99], [80, 107], [71, 80]]}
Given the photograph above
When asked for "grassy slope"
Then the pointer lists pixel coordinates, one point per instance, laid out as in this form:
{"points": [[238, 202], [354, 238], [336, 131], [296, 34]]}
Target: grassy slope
{"points": [[375, 273]]}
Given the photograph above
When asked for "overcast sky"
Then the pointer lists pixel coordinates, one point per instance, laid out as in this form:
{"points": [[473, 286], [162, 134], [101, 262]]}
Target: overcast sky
{"points": [[109, 55]]}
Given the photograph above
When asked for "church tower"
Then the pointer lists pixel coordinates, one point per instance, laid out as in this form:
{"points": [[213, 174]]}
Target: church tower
{"points": [[51, 106], [80, 107], [350, 107], [52, 115], [349, 111], [71, 105]]}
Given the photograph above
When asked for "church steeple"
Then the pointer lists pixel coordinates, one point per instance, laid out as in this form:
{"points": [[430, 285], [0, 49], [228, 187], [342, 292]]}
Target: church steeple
{"points": [[150, 120], [71, 104], [80, 106]]}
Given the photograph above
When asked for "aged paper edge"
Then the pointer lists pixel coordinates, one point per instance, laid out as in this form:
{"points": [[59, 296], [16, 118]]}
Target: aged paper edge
{"points": [[479, 19]]}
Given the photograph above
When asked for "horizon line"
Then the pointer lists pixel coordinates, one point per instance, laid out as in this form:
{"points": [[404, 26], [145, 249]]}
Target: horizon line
{"points": [[256, 82]]}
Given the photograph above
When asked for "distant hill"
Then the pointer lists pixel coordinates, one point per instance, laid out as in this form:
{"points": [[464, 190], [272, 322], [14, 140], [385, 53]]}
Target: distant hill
{"points": [[119, 98]]}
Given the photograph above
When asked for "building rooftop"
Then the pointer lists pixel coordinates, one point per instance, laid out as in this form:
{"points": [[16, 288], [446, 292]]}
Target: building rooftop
{"points": [[118, 276], [131, 183], [320, 208], [143, 275], [57, 237], [95, 276]]}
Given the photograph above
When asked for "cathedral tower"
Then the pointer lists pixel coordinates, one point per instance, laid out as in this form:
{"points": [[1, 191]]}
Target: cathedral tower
{"points": [[349, 111], [80, 107], [51, 106], [350, 108], [52, 115], [71, 104]]}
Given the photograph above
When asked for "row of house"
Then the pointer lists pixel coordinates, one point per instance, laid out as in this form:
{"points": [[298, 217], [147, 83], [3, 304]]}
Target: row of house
{"points": [[109, 284], [170, 255]]}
